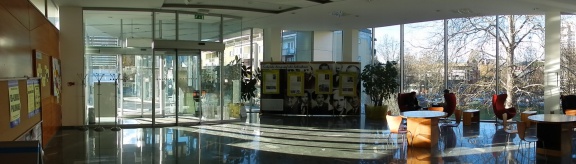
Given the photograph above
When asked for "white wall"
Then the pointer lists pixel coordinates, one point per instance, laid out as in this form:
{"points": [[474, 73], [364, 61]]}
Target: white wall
{"points": [[322, 50]]}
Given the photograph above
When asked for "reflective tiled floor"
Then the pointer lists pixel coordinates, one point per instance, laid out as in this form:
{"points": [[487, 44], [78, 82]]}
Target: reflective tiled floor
{"points": [[289, 140]]}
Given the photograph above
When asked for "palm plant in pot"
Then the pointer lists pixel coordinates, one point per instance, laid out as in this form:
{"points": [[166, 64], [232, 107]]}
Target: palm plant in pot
{"points": [[380, 83]]}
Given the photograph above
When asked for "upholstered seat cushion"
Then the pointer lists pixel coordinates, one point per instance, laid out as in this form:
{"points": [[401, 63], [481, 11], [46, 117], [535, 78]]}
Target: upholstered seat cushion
{"points": [[450, 105]]}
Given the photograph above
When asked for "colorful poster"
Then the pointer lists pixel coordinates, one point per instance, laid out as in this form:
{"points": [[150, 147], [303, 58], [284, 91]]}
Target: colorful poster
{"points": [[348, 84], [56, 81], [37, 99], [295, 83], [324, 82], [14, 99], [31, 97], [271, 81]]}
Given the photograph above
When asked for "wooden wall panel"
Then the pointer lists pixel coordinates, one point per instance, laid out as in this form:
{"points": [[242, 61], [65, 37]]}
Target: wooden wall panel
{"points": [[36, 17], [51, 117], [15, 50], [18, 8], [26, 29], [45, 39]]}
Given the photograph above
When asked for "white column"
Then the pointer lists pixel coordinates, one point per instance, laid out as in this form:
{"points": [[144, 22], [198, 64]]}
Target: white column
{"points": [[72, 63], [350, 45], [552, 63], [322, 50], [272, 44]]}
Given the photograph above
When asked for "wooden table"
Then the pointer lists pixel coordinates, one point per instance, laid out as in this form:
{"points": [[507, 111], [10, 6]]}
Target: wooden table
{"points": [[471, 116], [423, 127], [554, 132]]}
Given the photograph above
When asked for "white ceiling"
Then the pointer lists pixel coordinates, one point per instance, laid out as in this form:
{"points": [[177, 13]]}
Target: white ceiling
{"points": [[340, 14]]}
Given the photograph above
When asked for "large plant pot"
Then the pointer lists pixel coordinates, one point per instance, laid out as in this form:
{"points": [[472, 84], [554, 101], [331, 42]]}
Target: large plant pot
{"points": [[376, 112], [234, 110]]}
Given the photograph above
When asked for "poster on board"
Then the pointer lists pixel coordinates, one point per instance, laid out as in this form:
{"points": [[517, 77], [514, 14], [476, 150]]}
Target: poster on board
{"points": [[348, 84], [324, 82], [271, 81], [295, 83], [56, 79], [31, 97], [14, 99], [37, 99]]}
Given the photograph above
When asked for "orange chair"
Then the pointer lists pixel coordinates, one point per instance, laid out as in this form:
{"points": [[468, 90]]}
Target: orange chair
{"points": [[458, 117], [499, 108], [434, 108], [396, 127]]}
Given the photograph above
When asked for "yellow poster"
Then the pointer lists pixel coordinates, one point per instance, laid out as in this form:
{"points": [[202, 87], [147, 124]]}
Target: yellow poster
{"points": [[271, 81], [295, 84], [37, 101], [31, 97], [14, 99]]}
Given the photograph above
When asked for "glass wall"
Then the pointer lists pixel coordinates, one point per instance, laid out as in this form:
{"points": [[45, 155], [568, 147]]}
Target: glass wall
{"points": [[159, 86], [297, 45], [424, 61], [568, 55], [472, 62], [522, 61], [480, 60], [387, 48]]}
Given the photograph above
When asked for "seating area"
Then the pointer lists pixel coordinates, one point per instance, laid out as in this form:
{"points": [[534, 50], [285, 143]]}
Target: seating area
{"points": [[296, 140]]}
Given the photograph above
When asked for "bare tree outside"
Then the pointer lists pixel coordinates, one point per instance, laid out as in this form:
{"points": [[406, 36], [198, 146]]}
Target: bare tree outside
{"points": [[568, 55], [521, 56]]}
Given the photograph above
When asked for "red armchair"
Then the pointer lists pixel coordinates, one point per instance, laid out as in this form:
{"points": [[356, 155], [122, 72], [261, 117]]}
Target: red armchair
{"points": [[402, 98], [450, 104], [498, 102]]}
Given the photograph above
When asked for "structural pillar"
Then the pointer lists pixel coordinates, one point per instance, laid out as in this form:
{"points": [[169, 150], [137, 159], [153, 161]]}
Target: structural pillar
{"points": [[72, 63], [552, 63], [350, 45], [322, 46], [272, 44]]}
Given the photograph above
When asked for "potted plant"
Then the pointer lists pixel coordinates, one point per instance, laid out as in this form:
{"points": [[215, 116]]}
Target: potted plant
{"points": [[380, 83], [237, 72], [248, 87]]}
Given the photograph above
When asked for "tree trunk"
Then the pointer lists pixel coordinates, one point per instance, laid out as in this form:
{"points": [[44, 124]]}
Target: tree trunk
{"points": [[510, 62]]}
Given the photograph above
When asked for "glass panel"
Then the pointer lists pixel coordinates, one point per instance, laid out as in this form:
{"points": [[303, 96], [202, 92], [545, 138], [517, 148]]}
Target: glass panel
{"points": [[40, 5], [165, 87], [522, 61], [471, 69], [136, 89], [296, 45], [165, 26], [233, 56], [188, 86], [189, 27], [101, 72], [208, 78], [568, 56], [53, 13], [136, 25], [387, 48], [424, 59]]}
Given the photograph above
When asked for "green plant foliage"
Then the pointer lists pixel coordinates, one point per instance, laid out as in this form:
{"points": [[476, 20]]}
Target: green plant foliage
{"points": [[249, 78], [380, 81]]}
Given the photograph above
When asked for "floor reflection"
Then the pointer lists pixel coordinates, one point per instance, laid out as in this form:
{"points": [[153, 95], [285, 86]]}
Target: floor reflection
{"points": [[287, 140]]}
